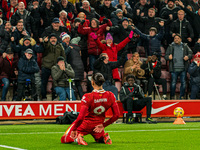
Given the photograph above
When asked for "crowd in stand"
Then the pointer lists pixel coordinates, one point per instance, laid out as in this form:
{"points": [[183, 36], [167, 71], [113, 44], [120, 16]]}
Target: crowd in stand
{"points": [[60, 40]]}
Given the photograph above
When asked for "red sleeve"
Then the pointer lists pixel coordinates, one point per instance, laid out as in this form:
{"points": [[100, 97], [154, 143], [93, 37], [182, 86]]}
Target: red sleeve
{"points": [[100, 45], [5, 5], [80, 118], [122, 44], [84, 108], [103, 27], [83, 30], [115, 111]]}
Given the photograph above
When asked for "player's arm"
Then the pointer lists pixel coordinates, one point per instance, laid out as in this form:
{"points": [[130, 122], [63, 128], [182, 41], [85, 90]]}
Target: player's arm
{"points": [[115, 111], [80, 118]]}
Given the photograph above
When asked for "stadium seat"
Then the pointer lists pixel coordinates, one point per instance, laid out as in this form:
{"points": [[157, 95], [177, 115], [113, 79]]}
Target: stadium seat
{"points": [[136, 114], [162, 51]]}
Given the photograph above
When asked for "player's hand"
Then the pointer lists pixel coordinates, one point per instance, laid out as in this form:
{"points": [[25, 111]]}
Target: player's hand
{"points": [[99, 128], [74, 135]]}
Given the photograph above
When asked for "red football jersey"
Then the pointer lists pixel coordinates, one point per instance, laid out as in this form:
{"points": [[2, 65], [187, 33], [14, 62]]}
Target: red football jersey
{"points": [[98, 102]]}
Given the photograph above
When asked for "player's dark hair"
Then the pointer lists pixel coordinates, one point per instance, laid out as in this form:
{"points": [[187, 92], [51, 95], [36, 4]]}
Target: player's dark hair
{"points": [[98, 79]]}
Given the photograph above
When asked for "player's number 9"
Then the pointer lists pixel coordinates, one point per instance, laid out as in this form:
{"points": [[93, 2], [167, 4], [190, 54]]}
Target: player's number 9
{"points": [[99, 110]]}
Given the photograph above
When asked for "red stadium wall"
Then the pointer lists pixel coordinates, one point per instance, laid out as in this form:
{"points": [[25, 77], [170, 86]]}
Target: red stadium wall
{"points": [[53, 109]]}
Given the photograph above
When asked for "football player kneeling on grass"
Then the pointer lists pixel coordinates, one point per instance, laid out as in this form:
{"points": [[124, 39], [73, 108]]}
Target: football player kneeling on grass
{"points": [[132, 97], [92, 115]]}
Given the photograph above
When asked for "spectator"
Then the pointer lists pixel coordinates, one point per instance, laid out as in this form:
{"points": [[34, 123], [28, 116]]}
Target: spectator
{"points": [[52, 50], [178, 54], [197, 46], [116, 17], [23, 15], [27, 68], [135, 67], [74, 32], [56, 28], [195, 18], [83, 42], [10, 10], [93, 50], [18, 33], [48, 11], [153, 39], [106, 8], [132, 97], [111, 50], [127, 12], [194, 72], [35, 13], [74, 59], [103, 66], [153, 65], [150, 20], [116, 2], [60, 73], [8, 67], [141, 8], [29, 43], [64, 22], [195, 5], [65, 43], [169, 12], [69, 8], [183, 27], [5, 35], [120, 33], [87, 9]]}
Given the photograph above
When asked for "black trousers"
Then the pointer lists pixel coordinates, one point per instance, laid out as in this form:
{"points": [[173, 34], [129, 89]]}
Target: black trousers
{"points": [[137, 105], [160, 81], [23, 91]]}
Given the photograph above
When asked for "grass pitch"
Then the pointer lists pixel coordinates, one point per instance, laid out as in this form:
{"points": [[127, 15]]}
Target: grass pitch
{"points": [[161, 136]]}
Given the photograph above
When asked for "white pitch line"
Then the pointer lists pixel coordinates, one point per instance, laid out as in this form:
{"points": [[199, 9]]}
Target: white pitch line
{"points": [[5, 146], [153, 130]]}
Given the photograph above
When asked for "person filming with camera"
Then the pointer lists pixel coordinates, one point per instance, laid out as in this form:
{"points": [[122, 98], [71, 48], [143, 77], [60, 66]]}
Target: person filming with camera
{"points": [[132, 97]]}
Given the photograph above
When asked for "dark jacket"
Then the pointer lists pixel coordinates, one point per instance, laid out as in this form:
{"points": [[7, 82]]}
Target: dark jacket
{"points": [[21, 48], [69, 9], [60, 77], [125, 94], [153, 42], [196, 48], [194, 72], [6, 69], [115, 19], [156, 70], [74, 59], [51, 53], [18, 35], [27, 69], [186, 52], [49, 14], [28, 20], [106, 11], [150, 22], [120, 33], [106, 69], [166, 11], [196, 21], [4, 38], [186, 29], [48, 30]]}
